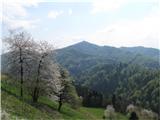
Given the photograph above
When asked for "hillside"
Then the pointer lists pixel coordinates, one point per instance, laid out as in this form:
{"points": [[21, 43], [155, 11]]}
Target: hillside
{"points": [[82, 57], [130, 74], [45, 109], [102, 75]]}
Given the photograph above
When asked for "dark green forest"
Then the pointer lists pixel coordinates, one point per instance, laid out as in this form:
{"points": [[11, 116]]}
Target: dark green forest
{"points": [[118, 76]]}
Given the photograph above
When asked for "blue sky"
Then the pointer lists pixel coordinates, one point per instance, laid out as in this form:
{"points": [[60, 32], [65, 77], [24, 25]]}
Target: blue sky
{"points": [[104, 22]]}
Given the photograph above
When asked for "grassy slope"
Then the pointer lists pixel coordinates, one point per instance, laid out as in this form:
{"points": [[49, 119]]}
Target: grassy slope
{"points": [[45, 109]]}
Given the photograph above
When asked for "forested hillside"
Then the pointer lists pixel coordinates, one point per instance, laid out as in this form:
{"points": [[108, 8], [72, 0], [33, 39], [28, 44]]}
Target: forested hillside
{"points": [[120, 76]]}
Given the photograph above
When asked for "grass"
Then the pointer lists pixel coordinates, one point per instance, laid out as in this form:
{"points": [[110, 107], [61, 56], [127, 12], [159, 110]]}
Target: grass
{"points": [[119, 116], [19, 109], [97, 113], [45, 109]]}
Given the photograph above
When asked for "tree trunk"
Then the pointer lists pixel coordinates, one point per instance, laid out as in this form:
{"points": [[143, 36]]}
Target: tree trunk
{"points": [[35, 99], [60, 103], [36, 91], [21, 70]]}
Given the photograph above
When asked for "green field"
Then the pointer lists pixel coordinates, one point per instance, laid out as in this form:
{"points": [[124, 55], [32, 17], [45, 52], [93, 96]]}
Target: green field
{"points": [[45, 109]]}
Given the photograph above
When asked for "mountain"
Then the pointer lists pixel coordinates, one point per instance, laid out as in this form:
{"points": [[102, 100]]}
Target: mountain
{"points": [[150, 52], [84, 55], [129, 73]]}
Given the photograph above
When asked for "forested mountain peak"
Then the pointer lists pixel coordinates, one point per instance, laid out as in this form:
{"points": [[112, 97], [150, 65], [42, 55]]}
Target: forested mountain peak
{"points": [[83, 46], [90, 48], [85, 51]]}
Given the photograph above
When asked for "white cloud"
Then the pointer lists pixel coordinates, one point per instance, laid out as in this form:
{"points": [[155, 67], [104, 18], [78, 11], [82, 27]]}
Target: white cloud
{"points": [[15, 13], [113, 5], [144, 32], [17, 23], [107, 5], [70, 11], [54, 14]]}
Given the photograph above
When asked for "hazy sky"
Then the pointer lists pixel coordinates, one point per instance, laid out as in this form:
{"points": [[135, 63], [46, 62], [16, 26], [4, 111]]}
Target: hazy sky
{"points": [[103, 22]]}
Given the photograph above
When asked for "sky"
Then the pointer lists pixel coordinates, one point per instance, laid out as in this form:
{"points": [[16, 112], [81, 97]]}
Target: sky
{"points": [[118, 23]]}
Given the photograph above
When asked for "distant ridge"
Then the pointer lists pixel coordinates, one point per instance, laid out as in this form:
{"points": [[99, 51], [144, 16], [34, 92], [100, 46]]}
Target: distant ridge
{"points": [[84, 42], [84, 55], [109, 51]]}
